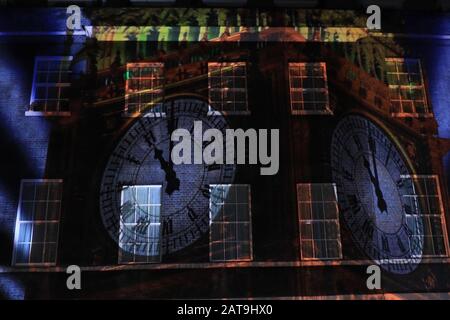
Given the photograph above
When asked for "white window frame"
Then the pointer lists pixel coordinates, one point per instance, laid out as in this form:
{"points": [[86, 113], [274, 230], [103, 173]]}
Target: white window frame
{"points": [[327, 110], [19, 221], [250, 240], [415, 114], [221, 65], [311, 221], [125, 262], [143, 113], [35, 84], [441, 208]]}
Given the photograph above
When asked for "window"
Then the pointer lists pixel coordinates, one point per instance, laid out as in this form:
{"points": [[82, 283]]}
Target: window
{"points": [[227, 88], [37, 224], [51, 84], [309, 88], [319, 221], [230, 223], [159, 2], [406, 87], [144, 89], [424, 210], [140, 222]]}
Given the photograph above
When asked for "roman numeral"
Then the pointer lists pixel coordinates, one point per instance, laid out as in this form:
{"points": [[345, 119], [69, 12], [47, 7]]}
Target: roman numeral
{"points": [[354, 203], [228, 171], [191, 214], [408, 209], [367, 229], [214, 167], [142, 225], [388, 155], [205, 191], [400, 183], [347, 151], [357, 142], [167, 227], [408, 231], [347, 175], [400, 244], [385, 244]]}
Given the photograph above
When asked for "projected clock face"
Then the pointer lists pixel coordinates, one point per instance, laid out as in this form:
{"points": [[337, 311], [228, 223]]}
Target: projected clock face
{"points": [[142, 158], [373, 185]]}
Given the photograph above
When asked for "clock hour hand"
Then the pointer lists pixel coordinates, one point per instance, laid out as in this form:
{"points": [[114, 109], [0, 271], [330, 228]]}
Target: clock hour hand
{"points": [[173, 183], [382, 206]]}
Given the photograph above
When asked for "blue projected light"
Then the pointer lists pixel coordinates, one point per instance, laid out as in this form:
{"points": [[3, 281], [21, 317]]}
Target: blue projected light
{"points": [[435, 57], [26, 136]]}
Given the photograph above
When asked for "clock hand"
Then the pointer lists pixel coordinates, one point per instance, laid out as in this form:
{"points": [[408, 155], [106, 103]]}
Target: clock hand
{"points": [[381, 202], [373, 150], [173, 183], [172, 124]]}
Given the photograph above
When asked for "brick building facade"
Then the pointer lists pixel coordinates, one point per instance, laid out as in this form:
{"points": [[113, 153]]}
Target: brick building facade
{"points": [[72, 101]]}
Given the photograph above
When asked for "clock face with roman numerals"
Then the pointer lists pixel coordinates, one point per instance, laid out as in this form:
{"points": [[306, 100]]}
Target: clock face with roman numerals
{"points": [[373, 185], [142, 159]]}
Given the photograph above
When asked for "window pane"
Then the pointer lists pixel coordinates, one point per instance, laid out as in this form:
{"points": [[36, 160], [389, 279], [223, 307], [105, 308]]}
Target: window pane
{"points": [[40, 206], [230, 238], [39, 232], [141, 216], [27, 211], [319, 221], [22, 251], [227, 86], [36, 255], [25, 232], [50, 75], [308, 87], [404, 77], [144, 88], [424, 214]]}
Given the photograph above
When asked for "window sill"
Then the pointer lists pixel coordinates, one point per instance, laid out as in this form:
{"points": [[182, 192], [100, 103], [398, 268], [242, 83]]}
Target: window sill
{"points": [[31, 266], [312, 113], [209, 265], [124, 263], [47, 113], [229, 113], [146, 114], [411, 115]]}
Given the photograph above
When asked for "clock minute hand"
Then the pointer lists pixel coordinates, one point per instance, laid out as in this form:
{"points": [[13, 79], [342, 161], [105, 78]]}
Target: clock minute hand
{"points": [[373, 149], [381, 203]]}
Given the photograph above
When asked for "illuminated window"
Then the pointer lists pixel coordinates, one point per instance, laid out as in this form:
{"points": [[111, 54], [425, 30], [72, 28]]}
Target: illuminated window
{"points": [[37, 224], [158, 2], [51, 85], [227, 87], [309, 88], [425, 212], [319, 221], [230, 223], [144, 89], [140, 224], [406, 87], [225, 2]]}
